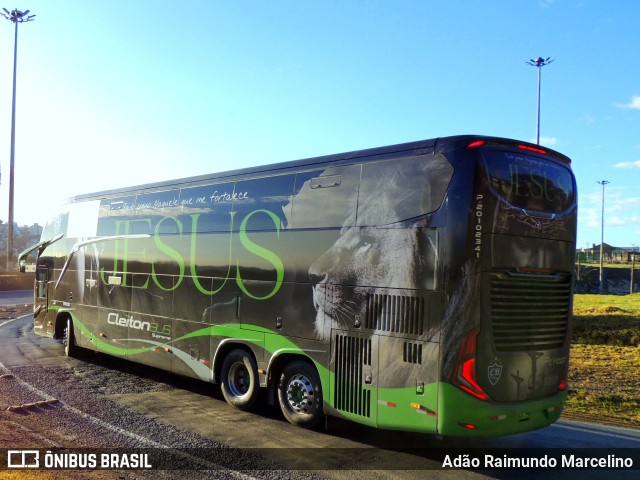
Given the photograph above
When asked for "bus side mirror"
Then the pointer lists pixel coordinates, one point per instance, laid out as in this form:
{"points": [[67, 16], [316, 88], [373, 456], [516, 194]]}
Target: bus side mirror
{"points": [[25, 267]]}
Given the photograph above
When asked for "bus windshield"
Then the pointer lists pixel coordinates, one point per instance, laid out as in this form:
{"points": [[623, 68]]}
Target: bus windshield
{"points": [[530, 182]]}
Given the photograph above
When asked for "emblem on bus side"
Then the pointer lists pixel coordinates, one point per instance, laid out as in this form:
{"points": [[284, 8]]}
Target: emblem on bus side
{"points": [[538, 226], [495, 371]]}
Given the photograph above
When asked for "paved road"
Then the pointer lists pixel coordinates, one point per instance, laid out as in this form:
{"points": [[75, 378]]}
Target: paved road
{"points": [[341, 452], [13, 297]]}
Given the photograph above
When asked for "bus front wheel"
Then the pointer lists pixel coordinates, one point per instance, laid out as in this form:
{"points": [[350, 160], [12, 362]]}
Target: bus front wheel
{"points": [[300, 394], [68, 340], [239, 379]]}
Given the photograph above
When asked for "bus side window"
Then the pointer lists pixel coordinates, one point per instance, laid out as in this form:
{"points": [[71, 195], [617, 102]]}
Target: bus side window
{"points": [[326, 198], [207, 208], [152, 208], [113, 216], [395, 190], [254, 198]]}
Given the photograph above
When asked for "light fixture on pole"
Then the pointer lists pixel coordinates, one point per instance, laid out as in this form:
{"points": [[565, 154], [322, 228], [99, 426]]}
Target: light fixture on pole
{"points": [[539, 63], [16, 16], [603, 183]]}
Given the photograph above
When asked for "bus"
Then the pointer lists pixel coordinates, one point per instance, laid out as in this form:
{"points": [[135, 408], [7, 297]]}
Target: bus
{"points": [[419, 287]]}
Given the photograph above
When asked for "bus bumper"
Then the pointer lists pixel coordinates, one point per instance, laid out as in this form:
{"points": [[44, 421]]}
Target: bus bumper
{"points": [[460, 414]]}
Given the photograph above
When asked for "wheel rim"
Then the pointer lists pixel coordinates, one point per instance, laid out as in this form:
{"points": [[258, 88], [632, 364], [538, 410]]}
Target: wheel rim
{"points": [[239, 379], [300, 394]]}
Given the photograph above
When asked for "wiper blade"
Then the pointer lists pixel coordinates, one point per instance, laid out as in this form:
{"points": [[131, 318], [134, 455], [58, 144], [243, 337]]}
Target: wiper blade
{"points": [[40, 246], [79, 245]]}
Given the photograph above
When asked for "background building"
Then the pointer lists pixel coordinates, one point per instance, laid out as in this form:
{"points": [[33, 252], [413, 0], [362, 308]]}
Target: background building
{"points": [[24, 236]]}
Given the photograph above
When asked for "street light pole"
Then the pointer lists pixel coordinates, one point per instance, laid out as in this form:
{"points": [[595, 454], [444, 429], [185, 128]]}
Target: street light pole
{"points": [[539, 63], [16, 16], [603, 183], [633, 266]]}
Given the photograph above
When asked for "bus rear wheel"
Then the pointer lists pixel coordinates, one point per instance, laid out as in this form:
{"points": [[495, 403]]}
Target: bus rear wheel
{"points": [[239, 379], [68, 340], [300, 394]]}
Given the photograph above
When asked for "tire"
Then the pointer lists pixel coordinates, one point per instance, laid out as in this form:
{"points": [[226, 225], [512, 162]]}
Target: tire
{"points": [[239, 379], [300, 394], [69, 340]]}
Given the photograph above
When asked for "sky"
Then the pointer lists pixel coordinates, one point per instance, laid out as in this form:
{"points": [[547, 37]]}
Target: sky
{"points": [[118, 93]]}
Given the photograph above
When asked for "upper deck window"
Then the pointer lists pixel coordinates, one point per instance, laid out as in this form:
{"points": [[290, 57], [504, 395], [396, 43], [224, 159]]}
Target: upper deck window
{"points": [[325, 198], [402, 188], [530, 182]]}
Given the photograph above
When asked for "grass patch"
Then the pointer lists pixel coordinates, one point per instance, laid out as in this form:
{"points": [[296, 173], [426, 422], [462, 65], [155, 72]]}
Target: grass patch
{"points": [[604, 370], [629, 303], [606, 320], [604, 382], [626, 265]]}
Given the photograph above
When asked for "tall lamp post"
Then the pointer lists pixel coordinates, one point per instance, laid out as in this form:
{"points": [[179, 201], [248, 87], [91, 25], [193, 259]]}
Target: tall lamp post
{"points": [[16, 16], [539, 63], [603, 183], [633, 265]]}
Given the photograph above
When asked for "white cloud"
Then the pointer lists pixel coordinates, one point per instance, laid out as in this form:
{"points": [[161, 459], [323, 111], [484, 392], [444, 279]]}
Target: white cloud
{"points": [[549, 141], [586, 120], [621, 221], [617, 221], [591, 198], [635, 164], [633, 104], [589, 217], [624, 203]]}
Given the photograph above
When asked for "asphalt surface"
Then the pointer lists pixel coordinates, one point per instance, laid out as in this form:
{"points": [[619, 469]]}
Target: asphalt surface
{"points": [[13, 297], [50, 401]]}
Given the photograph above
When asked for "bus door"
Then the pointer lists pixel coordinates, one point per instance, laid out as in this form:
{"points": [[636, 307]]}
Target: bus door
{"points": [[41, 300], [87, 276], [43, 269]]}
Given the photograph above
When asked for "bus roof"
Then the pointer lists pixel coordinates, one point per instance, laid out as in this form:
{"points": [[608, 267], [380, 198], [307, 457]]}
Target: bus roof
{"points": [[377, 153]]}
